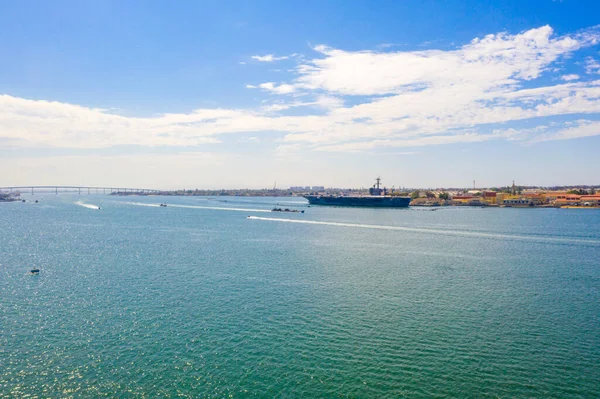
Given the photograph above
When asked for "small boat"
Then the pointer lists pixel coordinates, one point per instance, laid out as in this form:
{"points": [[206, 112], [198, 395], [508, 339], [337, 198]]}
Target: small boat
{"points": [[286, 210], [35, 271], [163, 205]]}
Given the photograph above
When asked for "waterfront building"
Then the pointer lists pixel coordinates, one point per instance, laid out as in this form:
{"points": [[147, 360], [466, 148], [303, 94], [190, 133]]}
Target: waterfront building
{"points": [[489, 197], [537, 198], [464, 197], [590, 200], [468, 200], [518, 202], [556, 195], [569, 199]]}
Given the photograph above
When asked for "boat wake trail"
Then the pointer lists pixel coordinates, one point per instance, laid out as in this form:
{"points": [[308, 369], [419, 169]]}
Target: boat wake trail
{"points": [[216, 208], [435, 231], [142, 204], [88, 206]]}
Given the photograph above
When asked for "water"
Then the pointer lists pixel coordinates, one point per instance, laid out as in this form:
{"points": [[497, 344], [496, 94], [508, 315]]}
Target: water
{"points": [[197, 300]]}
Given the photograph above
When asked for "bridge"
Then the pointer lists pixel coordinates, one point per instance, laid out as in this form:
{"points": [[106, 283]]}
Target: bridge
{"points": [[78, 189]]}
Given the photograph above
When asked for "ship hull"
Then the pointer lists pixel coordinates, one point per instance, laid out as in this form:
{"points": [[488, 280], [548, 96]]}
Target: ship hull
{"points": [[367, 201]]}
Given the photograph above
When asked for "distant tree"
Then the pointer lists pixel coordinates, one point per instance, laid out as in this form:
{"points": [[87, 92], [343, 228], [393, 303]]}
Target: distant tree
{"points": [[414, 195], [429, 194], [578, 192], [592, 191], [444, 196]]}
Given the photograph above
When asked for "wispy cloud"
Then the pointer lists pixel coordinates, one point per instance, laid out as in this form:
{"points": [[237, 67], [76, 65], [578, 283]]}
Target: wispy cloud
{"points": [[274, 88], [578, 129], [360, 100], [269, 58], [592, 66], [570, 77], [493, 62]]}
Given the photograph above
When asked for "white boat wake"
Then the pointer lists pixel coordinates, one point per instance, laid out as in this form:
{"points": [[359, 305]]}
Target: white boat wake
{"points": [[216, 208], [88, 206], [142, 204], [434, 231]]}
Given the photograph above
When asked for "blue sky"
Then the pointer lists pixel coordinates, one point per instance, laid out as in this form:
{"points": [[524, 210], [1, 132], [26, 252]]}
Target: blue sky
{"points": [[239, 94]]}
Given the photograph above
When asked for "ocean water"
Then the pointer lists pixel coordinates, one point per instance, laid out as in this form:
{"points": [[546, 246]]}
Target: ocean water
{"points": [[197, 300]]}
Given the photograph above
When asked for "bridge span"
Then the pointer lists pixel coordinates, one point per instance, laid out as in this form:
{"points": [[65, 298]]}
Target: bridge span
{"points": [[78, 189]]}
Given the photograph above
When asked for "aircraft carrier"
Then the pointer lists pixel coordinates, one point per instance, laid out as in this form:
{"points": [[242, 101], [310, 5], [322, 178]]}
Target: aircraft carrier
{"points": [[377, 198]]}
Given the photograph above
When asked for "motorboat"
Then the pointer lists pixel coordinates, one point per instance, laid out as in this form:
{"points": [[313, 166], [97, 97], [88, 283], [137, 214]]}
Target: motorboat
{"points": [[286, 210]]}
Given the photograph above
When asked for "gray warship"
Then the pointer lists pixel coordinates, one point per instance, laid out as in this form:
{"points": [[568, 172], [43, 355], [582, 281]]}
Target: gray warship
{"points": [[378, 198]]}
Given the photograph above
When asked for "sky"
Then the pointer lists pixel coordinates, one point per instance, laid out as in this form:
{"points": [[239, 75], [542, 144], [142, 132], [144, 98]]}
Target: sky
{"points": [[228, 94]]}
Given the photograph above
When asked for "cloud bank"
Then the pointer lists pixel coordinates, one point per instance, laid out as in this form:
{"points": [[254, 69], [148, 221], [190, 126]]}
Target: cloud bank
{"points": [[350, 101]]}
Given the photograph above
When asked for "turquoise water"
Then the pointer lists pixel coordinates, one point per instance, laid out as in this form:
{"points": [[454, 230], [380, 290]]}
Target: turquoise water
{"points": [[138, 301]]}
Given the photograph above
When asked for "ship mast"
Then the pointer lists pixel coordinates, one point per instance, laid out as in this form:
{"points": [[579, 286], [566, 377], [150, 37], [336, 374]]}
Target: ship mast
{"points": [[378, 180]]}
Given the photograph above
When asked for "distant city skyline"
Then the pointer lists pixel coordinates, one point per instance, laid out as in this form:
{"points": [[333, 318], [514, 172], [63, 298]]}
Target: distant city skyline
{"points": [[216, 95]]}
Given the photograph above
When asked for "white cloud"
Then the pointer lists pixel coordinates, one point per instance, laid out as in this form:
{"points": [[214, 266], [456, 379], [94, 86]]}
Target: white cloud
{"points": [[273, 88], [321, 102], [592, 66], [570, 77], [493, 62], [328, 102], [555, 131], [269, 58], [406, 99], [409, 142], [581, 128]]}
